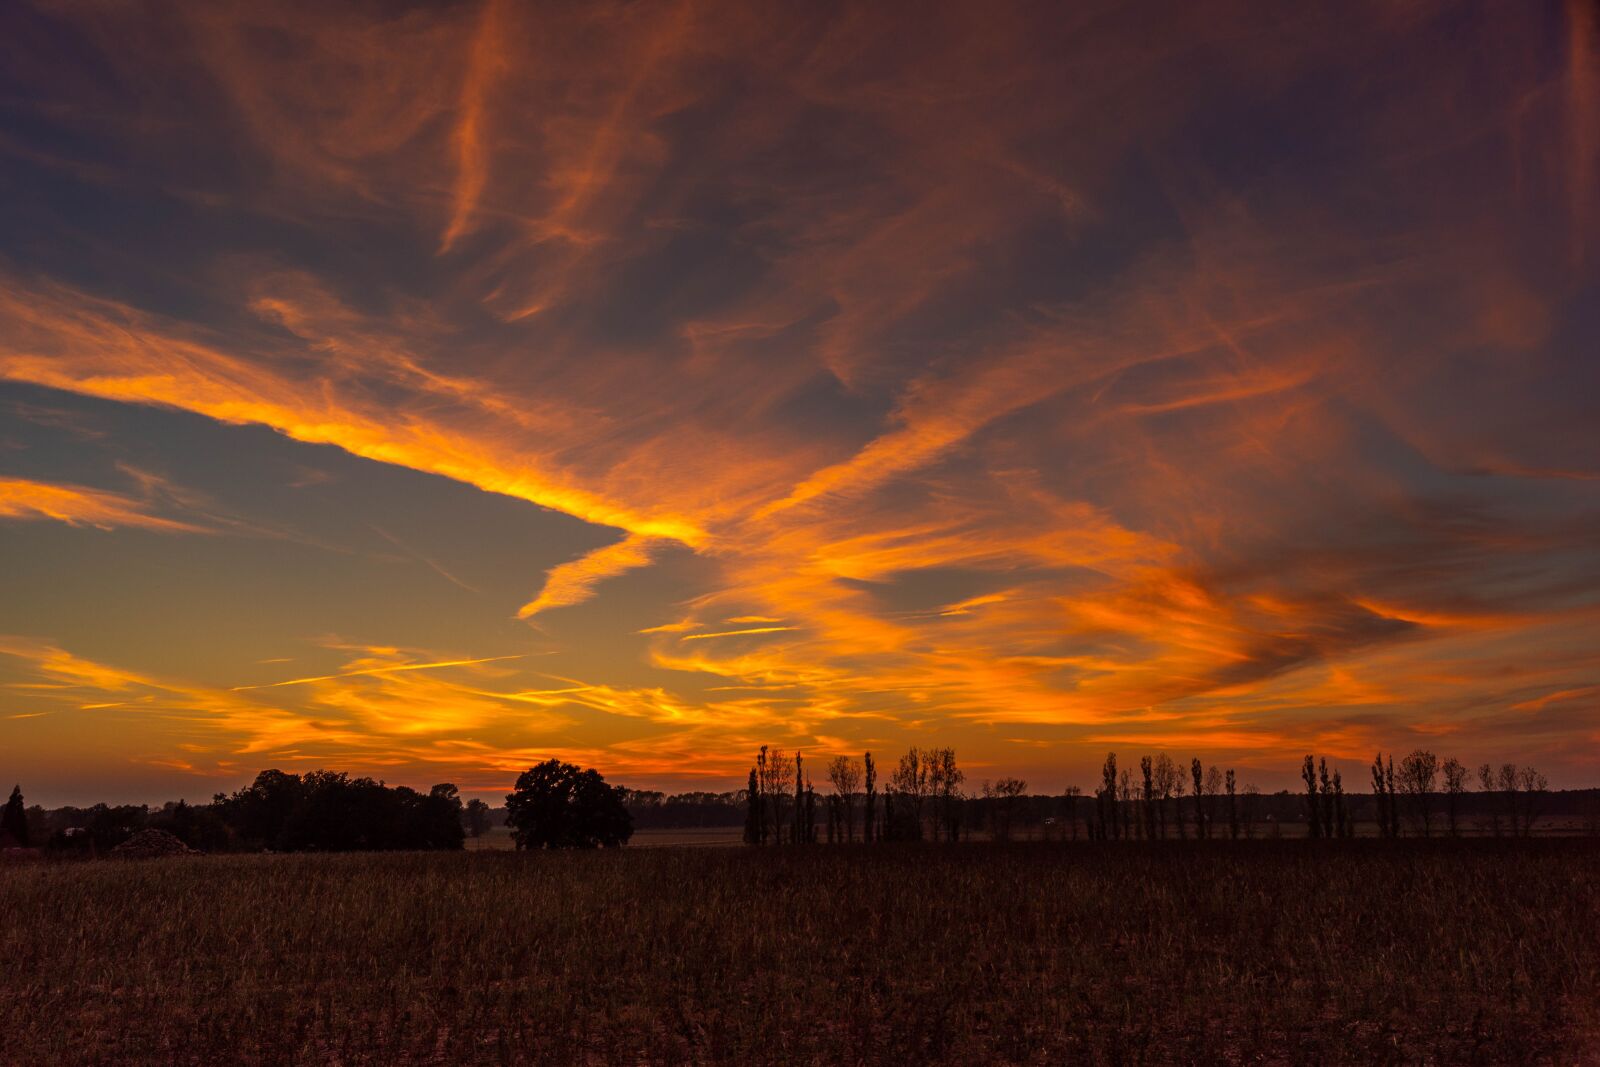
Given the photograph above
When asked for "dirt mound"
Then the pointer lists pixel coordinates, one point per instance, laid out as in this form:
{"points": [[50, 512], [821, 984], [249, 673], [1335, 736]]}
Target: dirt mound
{"points": [[150, 843]]}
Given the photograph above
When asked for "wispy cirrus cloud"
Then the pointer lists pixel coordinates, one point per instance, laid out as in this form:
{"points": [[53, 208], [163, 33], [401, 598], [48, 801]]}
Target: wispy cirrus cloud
{"points": [[1207, 383], [76, 505]]}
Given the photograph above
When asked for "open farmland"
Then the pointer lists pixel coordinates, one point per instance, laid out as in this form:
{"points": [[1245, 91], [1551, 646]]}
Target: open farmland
{"points": [[1270, 951]]}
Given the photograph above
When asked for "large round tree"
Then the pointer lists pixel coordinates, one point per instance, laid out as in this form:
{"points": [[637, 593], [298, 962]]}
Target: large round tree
{"points": [[556, 805]]}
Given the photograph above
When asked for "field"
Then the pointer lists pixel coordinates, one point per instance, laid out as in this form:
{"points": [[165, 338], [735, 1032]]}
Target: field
{"points": [[1248, 952]]}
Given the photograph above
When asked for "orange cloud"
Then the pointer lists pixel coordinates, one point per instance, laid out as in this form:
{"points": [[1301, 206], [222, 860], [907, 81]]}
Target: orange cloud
{"points": [[574, 582], [78, 505], [1006, 371]]}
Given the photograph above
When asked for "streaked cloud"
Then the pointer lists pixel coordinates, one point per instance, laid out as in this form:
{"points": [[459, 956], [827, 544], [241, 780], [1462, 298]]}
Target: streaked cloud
{"points": [[1040, 382], [574, 582], [78, 505]]}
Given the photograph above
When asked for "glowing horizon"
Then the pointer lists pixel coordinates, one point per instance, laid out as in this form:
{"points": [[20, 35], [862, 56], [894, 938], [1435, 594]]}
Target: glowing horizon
{"points": [[424, 391]]}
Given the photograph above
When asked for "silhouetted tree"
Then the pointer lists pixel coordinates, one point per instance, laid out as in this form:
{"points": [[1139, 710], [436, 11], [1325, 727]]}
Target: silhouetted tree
{"points": [[944, 785], [1071, 797], [912, 780], [337, 813], [556, 805], [1341, 810], [844, 774], [1455, 784], [198, 826], [477, 812], [1531, 787], [797, 833], [1214, 787], [1108, 797], [755, 825], [809, 829], [870, 770], [1179, 787], [14, 821], [1491, 797], [1509, 798], [1127, 820], [1250, 809], [1166, 779], [110, 826], [441, 820], [1002, 798], [1146, 774], [1383, 797], [1308, 774], [1394, 804], [1233, 805], [777, 774], [260, 813], [1325, 789], [1197, 772], [1418, 773]]}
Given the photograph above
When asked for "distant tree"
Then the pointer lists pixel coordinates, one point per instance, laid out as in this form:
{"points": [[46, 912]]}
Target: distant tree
{"points": [[890, 829], [1179, 787], [1250, 810], [1511, 803], [441, 812], [912, 781], [1383, 795], [1146, 774], [1166, 779], [1418, 773], [556, 805], [811, 813], [844, 774], [1341, 811], [1455, 784], [869, 815], [1325, 789], [945, 780], [14, 821], [199, 826], [1531, 790], [1231, 784], [1071, 796], [1486, 782], [1198, 774], [797, 834], [1003, 797], [1215, 783], [109, 826], [1394, 805], [261, 812], [754, 821], [777, 777], [1125, 812], [477, 813], [1308, 774], [1108, 797]]}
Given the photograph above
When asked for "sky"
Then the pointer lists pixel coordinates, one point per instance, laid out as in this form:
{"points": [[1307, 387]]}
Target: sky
{"points": [[425, 390]]}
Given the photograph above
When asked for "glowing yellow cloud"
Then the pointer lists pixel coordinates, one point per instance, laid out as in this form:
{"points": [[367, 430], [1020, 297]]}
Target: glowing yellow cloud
{"points": [[574, 582]]}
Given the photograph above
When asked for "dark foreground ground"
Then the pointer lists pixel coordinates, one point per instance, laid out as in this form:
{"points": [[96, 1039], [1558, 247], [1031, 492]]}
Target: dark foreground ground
{"points": [[1276, 952]]}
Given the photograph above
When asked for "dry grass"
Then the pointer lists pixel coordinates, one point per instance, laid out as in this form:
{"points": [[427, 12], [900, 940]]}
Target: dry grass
{"points": [[1449, 952]]}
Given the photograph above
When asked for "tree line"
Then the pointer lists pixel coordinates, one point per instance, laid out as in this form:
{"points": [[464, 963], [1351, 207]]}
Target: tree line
{"points": [[922, 798], [553, 805]]}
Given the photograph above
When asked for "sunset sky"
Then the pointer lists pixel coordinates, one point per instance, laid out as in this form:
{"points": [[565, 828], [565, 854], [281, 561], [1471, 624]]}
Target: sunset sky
{"points": [[424, 390]]}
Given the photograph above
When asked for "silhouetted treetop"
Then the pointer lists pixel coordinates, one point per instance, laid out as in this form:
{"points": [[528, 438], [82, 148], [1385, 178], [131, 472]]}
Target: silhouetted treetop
{"points": [[556, 805]]}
